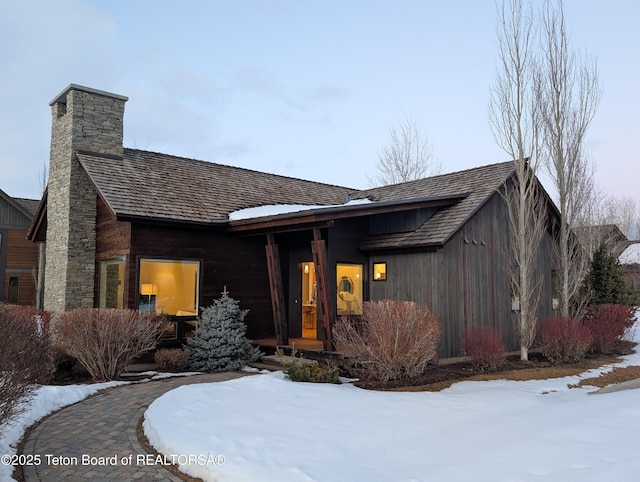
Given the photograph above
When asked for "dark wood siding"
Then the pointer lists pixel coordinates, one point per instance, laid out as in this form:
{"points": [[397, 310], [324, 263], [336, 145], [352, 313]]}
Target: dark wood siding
{"points": [[239, 264], [113, 239], [467, 281]]}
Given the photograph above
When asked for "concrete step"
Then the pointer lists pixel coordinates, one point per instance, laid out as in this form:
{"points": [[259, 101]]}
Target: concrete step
{"points": [[267, 362]]}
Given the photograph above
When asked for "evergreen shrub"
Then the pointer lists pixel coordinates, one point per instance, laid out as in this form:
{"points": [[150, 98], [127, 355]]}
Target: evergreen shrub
{"points": [[605, 282], [300, 370], [220, 343]]}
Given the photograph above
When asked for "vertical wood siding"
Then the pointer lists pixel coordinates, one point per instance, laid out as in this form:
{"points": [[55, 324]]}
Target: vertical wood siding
{"points": [[467, 281], [237, 263]]}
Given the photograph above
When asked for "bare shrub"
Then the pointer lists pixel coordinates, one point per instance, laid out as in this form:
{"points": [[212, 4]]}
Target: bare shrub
{"points": [[25, 356], [171, 359], [105, 341], [483, 345], [610, 326], [564, 340], [392, 340]]}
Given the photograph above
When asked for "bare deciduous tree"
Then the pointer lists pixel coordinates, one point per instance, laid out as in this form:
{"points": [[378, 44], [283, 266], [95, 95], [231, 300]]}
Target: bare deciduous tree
{"points": [[568, 93], [407, 157], [514, 122], [623, 212]]}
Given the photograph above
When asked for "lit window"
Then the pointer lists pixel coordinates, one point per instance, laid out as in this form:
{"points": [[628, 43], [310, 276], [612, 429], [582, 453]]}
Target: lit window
{"points": [[349, 289], [379, 271], [112, 283], [169, 287]]}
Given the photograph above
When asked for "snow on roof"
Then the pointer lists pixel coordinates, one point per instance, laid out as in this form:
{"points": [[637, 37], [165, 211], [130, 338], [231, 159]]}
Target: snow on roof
{"points": [[275, 209]]}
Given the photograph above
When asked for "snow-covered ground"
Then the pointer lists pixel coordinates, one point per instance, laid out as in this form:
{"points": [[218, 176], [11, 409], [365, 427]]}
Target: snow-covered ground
{"points": [[265, 428], [47, 399]]}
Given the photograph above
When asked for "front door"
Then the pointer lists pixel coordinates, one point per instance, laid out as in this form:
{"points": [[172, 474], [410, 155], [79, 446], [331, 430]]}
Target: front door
{"points": [[309, 306]]}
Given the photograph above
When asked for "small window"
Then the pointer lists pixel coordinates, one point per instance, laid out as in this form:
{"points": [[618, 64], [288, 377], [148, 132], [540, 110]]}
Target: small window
{"points": [[13, 290], [379, 271]]}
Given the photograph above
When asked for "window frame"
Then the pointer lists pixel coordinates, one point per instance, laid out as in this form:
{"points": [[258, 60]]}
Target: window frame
{"points": [[105, 262], [360, 301], [373, 270], [13, 289], [198, 284]]}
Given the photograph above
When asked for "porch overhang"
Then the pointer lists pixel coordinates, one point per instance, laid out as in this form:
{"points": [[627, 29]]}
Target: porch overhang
{"points": [[325, 216]]}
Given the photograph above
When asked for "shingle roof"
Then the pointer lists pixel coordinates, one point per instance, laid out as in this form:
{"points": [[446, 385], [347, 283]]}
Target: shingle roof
{"points": [[27, 207], [160, 186], [480, 183], [151, 185], [610, 234], [30, 205]]}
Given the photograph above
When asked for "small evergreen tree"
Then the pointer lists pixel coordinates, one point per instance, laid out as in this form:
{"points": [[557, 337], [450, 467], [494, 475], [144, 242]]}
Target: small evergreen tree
{"points": [[220, 343], [605, 282]]}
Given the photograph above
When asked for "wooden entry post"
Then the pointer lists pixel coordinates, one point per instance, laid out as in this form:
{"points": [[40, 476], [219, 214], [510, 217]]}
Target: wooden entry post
{"points": [[319, 253], [277, 291]]}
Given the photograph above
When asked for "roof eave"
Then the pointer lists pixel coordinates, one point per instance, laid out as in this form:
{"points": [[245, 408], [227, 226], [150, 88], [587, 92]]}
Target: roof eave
{"points": [[128, 217], [38, 219], [321, 215]]}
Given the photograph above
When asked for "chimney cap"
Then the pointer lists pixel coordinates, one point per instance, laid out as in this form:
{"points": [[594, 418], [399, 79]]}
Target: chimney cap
{"points": [[61, 98]]}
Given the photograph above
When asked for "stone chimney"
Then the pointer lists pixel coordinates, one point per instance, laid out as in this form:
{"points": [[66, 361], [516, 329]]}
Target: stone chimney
{"points": [[89, 120]]}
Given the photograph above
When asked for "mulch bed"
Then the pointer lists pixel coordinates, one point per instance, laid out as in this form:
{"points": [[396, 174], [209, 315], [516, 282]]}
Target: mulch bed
{"points": [[439, 377]]}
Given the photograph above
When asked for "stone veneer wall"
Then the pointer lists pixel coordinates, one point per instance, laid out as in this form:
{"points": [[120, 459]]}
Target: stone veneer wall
{"points": [[89, 120]]}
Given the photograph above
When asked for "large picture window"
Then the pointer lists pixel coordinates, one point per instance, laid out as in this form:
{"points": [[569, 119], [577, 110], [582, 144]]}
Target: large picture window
{"points": [[112, 283], [169, 286], [349, 289]]}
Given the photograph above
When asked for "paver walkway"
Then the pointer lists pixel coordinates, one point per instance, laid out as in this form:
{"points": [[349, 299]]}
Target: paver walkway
{"points": [[103, 426]]}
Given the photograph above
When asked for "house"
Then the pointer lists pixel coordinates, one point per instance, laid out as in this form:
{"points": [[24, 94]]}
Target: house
{"points": [[618, 245], [150, 231], [610, 234], [18, 257]]}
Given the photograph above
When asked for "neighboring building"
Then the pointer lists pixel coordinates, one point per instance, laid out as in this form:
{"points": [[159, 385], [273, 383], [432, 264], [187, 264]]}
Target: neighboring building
{"points": [[617, 243], [18, 256], [591, 237], [630, 260], [137, 229]]}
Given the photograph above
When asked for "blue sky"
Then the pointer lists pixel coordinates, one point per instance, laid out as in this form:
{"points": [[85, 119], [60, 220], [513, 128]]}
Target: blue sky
{"points": [[301, 88]]}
